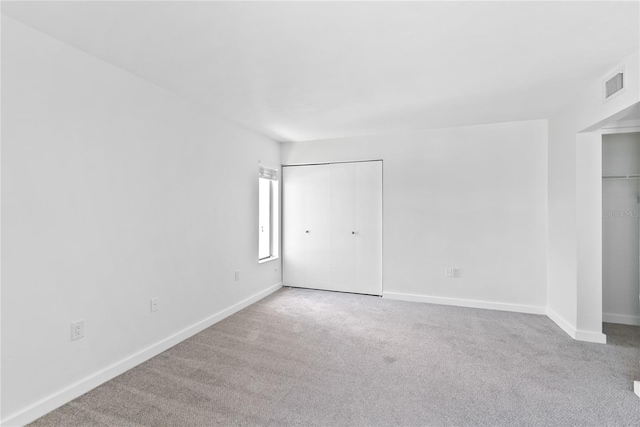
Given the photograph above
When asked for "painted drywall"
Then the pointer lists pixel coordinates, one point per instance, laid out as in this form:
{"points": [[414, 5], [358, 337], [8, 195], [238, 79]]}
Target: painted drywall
{"points": [[621, 229], [114, 191], [473, 198], [589, 235], [575, 218]]}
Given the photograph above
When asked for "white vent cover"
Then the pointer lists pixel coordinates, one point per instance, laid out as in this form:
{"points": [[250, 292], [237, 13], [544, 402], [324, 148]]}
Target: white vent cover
{"points": [[614, 85]]}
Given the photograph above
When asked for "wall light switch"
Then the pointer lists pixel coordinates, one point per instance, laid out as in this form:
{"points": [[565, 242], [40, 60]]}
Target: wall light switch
{"points": [[155, 304]]}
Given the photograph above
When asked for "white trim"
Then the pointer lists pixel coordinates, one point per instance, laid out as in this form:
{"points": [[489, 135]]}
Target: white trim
{"points": [[621, 126], [271, 258], [622, 319], [622, 129], [563, 324], [49, 403], [517, 308], [636, 387], [578, 335], [589, 336], [331, 163]]}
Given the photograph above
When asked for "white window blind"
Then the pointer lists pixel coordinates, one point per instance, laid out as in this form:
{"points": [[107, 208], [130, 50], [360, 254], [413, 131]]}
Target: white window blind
{"points": [[268, 208], [267, 173]]}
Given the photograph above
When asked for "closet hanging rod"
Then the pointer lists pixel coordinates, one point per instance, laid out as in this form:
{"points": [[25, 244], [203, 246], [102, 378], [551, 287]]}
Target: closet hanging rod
{"points": [[631, 176]]}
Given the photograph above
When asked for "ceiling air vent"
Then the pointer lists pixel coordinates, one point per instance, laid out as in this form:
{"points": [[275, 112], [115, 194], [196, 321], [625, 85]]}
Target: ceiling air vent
{"points": [[614, 86]]}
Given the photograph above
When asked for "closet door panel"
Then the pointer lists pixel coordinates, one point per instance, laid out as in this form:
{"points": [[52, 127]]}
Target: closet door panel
{"points": [[368, 200], [317, 198], [342, 226], [293, 219]]}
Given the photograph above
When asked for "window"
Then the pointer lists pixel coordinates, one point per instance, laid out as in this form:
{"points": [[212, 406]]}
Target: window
{"points": [[267, 213]]}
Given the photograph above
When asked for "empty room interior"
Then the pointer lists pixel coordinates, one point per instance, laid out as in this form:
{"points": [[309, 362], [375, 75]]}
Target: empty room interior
{"points": [[320, 213]]}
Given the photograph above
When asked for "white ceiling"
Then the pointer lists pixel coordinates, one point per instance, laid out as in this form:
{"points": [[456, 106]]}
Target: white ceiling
{"points": [[301, 70]]}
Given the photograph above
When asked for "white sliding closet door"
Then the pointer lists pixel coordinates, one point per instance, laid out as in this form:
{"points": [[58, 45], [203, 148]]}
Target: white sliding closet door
{"points": [[368, 227], [317, 194], [293, 230], [306, 197], [332, 225], [342, 257]]}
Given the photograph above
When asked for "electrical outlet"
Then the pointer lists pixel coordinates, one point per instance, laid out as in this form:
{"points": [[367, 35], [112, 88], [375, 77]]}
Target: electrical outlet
{"points": [[452, 272], [77, 330], [154, 304], [237, 275]]}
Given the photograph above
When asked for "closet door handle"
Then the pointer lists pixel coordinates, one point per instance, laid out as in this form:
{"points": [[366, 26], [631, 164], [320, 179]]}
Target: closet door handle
{"points": [[353, 232], [307, 231]]}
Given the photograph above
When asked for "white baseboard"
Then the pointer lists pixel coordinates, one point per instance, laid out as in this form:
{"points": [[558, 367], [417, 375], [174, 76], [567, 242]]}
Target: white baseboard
{"points": [[48, 404], [517, 308], [563, 324], [636, 387], [579, 335], [589, 336], [623, 319]]}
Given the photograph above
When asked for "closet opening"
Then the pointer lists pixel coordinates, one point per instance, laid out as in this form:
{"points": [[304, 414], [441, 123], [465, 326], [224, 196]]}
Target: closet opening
{"points": [[621, 226]]}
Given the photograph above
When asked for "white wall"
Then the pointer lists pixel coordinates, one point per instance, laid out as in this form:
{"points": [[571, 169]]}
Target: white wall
{"points": [[114, 191], [621, 233], [575, 218], [473, 198], [589, 236]]}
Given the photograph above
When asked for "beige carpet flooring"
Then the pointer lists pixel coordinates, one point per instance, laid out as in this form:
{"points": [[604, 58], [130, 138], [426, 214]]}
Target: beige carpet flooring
{"points": [[306, 358]]}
